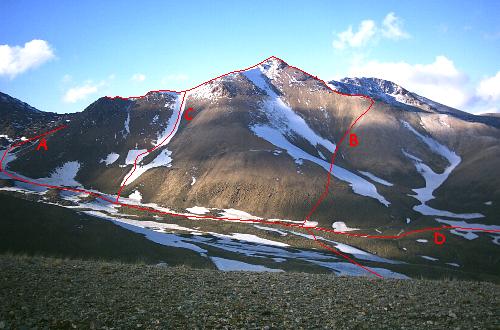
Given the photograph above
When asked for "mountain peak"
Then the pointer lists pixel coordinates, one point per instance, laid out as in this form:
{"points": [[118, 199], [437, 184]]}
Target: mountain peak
{"points": [[376, 85], [272, 66], [9, 101]]}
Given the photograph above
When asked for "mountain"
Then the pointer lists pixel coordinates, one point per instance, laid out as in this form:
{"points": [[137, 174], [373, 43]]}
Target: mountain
{"points": [[21, 119], [260, 146], [391, 93]]}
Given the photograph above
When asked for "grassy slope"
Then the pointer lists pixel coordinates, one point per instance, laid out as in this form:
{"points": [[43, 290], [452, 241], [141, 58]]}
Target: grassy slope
{"points": [[33, 228], [40, 229]]}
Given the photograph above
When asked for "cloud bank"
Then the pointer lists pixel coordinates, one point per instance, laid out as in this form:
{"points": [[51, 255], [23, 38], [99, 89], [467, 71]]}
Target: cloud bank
{"points": [[391, 28], [15, 60]]}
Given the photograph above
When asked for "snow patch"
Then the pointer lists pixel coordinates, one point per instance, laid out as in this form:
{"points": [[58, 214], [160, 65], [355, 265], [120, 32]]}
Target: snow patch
{"points": [[198, 210], [429, 258], [376, 178], [63, 175], [233, 213], [136, 195], [254, 239], [110, 159], [132, 155], [310, 224], [229, 265], [127, 125], [342, 227]]}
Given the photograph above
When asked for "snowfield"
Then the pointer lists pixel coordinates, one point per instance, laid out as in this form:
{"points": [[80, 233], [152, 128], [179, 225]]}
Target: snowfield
{"points": [[285, 123], [63, 175], [198, 210], [229, 265], [432, 179], [132, 155], [359, 185], [110, 159]]}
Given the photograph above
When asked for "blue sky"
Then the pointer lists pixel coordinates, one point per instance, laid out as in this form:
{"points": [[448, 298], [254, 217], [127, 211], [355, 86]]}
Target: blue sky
{"points": [[62, 55]]}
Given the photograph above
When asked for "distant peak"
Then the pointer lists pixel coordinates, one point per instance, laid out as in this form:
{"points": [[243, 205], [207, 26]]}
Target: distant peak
{"points": [[376, 85]]}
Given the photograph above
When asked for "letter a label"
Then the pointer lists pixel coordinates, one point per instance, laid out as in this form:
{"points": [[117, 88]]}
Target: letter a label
{"points": [[353, 140], [42, 144]]}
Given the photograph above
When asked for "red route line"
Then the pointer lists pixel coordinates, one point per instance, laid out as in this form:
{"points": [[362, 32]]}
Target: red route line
{"points": [[28, 140], [152, 149], [281, 223], [326, 246]]}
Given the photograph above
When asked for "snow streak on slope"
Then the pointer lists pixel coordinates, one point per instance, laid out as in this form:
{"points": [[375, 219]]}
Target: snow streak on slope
{"points": [[359, 185], [432, 179], [285, 122], [169, 132], [163, 159], [376, 178], [282, 116]]}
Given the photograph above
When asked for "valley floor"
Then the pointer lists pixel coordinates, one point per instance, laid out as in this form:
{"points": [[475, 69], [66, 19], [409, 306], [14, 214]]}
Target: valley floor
{"points": [[61, 293]]}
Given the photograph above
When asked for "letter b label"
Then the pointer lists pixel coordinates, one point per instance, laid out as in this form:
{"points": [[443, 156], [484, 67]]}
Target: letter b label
{"points": [[353, 140]]}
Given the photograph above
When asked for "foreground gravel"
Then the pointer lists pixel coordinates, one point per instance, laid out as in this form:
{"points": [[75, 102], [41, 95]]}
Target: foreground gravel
{"points": [[51, 293]]}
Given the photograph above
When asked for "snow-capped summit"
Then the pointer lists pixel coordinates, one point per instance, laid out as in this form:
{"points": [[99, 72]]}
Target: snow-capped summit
{"points": [[272, 66], [382, 90]]}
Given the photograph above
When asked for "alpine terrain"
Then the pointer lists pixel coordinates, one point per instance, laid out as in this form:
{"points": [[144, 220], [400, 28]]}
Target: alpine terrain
{"points": [[234, 174]]}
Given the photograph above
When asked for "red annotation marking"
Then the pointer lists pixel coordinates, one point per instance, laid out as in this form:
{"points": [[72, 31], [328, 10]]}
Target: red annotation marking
{"points": [[186, 114], [42, 144], [439, 238], [353, 140], [263, 221]]}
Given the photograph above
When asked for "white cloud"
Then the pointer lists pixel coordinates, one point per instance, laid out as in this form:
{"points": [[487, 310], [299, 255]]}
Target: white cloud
{"points": [[15, 60], [76, 94], [138, 77], [365, 32], [440, 80], [83, 91], [393, 27], [489, 88]]}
